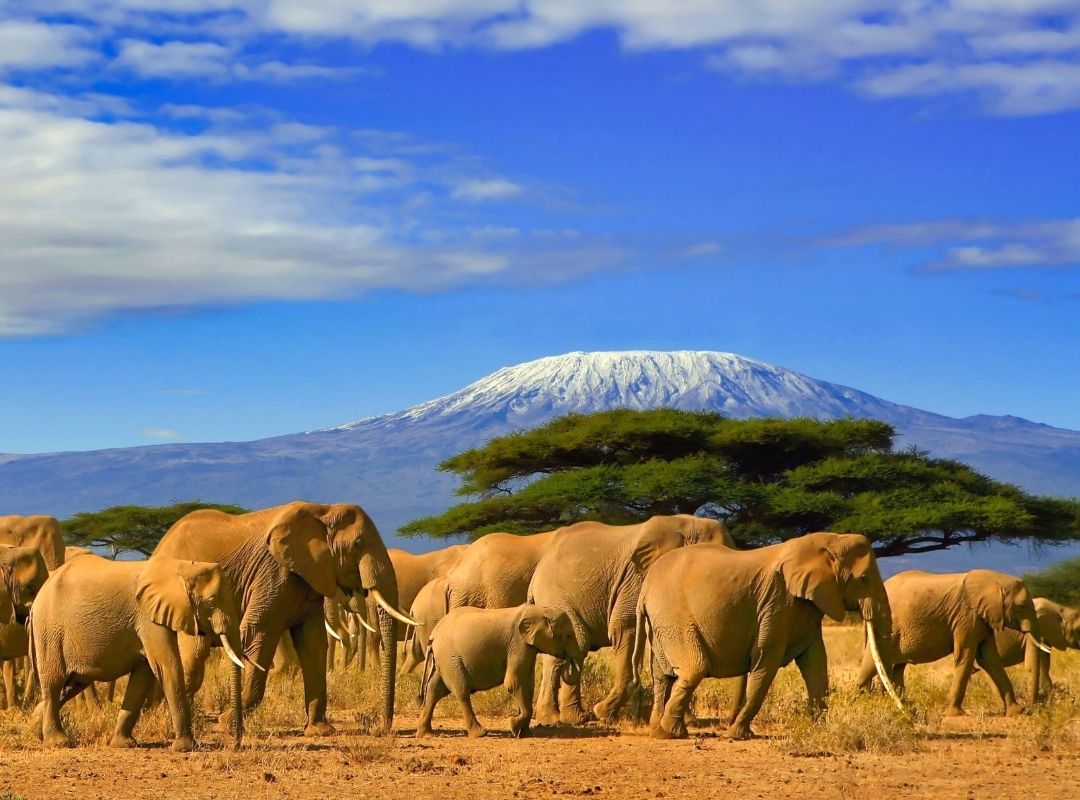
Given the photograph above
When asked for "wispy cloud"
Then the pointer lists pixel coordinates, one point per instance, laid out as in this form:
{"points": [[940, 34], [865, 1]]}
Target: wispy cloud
{"points": [[159, 433], [105, 216], [975, 244]]}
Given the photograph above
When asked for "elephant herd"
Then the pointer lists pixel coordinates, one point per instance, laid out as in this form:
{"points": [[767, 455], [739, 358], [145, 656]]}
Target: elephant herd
{"points": [[673, 591]]}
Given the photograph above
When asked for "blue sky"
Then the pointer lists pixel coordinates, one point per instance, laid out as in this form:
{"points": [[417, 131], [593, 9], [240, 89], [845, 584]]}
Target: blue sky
{"points": [[227, 219]]}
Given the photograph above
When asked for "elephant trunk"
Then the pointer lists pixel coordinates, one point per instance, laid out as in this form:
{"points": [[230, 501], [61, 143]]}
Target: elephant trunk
{"points": [[237, 706], [388, 666]]}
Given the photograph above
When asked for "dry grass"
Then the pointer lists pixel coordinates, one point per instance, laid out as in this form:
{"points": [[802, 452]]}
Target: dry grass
{"points": [[855, 722]]}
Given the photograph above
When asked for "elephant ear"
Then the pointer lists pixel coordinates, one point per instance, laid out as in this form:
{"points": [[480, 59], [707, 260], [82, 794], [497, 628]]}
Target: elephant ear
{"points": [[165, 596], [1052, 626], [987, 597], [534, 624], [299, 544], [810, 573]]}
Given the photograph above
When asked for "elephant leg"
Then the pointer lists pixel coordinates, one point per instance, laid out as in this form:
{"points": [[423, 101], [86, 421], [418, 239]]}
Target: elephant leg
{"points": [[260, 649], [738, 700], [9, 683], [361, 649], [164, 657], [331, 653], [310, 640], [520, 688], [110, 690], [661, 691], [813, 664], [867, 672], [57, 696], [140, 682], [964, 662], [622, 658], [548, 711], [472, 724], [1032, 665], [571, 710], [898, 677], [1044, 675], [434, 691], [757, 686], [989, 659], [29, 689], [672, 723]]}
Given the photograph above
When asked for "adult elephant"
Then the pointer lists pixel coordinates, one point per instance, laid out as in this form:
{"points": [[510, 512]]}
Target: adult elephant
{"points": [[593, 572], [495, 570], [713, 612], [1059, 627], [413, 573], [42, 533], [22, 574], [957, 613], [38, 531], [98, 620], [283, 562]]}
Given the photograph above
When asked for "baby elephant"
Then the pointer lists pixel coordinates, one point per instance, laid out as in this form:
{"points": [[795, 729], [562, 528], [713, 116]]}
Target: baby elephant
{"points": [[473, 649], [98, 620]]}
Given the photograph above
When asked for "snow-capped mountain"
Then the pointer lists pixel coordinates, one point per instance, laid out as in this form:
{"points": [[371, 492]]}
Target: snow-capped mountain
{"points": [[386, 463]]}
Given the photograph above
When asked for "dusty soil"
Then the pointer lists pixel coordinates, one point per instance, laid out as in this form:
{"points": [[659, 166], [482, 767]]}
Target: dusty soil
{"points": [[964, 759]]}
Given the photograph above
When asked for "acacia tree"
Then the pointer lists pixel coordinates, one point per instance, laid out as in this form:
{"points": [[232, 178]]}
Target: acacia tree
{"points": [[772, 479], [131, 529], [1059, 582]]}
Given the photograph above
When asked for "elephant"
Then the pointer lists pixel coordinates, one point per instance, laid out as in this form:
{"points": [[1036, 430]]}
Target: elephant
{"points": [[957, 613], [712, 612], [39, 531], [284, 561], [22, 574], [495, 570], [1059, 627], [593, 573], [428, 608], [43, 534], [98, 620], [413, 573], [473, 649]]}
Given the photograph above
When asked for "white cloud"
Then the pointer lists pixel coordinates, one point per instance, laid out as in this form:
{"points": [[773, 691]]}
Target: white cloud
{"points": [[976, 244], [480, 189], [33, 45], [159, 433], [1022, 56], [101, 217], [1037, 87]]}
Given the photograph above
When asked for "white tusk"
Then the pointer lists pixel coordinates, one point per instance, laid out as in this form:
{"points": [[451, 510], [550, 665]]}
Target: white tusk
{"points": [[331, 631], [364, 622], [255, 664], [389, 609], [1041, 646], [233, 657], [871, 638]]}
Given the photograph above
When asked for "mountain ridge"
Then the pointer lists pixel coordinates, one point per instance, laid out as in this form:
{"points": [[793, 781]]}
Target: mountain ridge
{"points": [[386, 462]]}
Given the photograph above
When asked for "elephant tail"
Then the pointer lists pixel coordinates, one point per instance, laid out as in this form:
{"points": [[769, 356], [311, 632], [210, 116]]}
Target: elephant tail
{"points": [[640, 627], [429, 672], [31, 653]]}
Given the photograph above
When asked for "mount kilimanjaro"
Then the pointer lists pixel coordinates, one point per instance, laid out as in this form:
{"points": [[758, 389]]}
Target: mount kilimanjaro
{"points": [[386, 463]]}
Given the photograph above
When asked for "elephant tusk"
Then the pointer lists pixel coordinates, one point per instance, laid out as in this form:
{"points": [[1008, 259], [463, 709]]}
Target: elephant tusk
{"points": [[255, 664], [871, 638], [331, 631], [1041, 646], [367, 627], [233, 657], [393, 612]]}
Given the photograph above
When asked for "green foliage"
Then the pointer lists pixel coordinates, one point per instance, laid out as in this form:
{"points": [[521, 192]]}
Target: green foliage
{"points": [[131, 529], [1059, 582], [771, 478]]}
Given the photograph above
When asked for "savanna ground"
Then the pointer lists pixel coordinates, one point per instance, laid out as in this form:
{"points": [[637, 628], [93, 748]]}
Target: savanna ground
{"points": [[863, 747]]}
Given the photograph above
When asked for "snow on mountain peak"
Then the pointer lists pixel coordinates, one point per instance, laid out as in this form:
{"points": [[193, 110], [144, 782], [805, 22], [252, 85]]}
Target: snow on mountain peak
{"points": [[535, 391]]}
